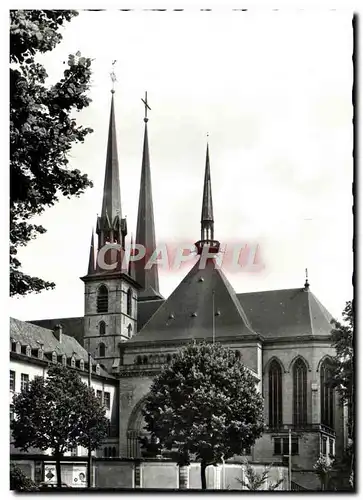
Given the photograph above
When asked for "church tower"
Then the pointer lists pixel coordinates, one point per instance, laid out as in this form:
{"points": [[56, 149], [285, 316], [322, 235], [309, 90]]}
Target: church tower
{"points": [[110, 290]]}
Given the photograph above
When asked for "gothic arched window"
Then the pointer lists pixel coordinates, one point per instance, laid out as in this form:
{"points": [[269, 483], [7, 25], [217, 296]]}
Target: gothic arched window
{"points": [[275, 395], [129, 330], [129, 302], [102, 349], [102, 327], [326, 396], [300, 399], [102, 299]]}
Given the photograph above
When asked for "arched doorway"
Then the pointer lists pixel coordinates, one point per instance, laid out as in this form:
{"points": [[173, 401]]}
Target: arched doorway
{"points": [[135, 430]]}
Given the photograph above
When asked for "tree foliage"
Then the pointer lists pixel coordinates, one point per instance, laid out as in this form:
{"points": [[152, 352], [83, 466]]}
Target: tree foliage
{"points": [[19, 481], [205, 404], [255, 481], [42, 130], [342, 341], [343, 380], [58, 412]]}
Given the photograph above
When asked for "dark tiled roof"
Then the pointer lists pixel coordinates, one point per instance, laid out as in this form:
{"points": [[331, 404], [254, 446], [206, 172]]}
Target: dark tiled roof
{"points": [[71, 326], [34, 335], [286, 313], [174, 319], [145, 309]]}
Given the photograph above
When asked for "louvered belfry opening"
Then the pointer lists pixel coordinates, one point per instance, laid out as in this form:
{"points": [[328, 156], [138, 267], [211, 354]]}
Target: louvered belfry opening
{"points": [[102, 299]]}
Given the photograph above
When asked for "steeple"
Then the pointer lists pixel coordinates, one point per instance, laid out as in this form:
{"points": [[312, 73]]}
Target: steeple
{"points": [[91, 261], [111, 204], [145, 232], [110, 225], [207, 219]]}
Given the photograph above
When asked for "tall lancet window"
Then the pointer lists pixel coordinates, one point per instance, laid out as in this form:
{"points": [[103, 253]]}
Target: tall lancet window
{"points": [[102, 299], [129, 301], [300, 399], [326, 396], [102, 349], [102, 327], [275, 395]]}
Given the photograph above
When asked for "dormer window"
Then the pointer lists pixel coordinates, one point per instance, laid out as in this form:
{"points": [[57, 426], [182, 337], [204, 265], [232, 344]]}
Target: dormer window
{"points": [[54, 357], [28, 351], [98, 369], [64, 360], [18, 348], [102, 299], [73, 362], [40, 353], [81, 364]]}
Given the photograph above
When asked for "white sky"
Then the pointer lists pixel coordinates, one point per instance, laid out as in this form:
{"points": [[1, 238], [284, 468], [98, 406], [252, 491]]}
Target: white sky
{"points": [[274, 91]]}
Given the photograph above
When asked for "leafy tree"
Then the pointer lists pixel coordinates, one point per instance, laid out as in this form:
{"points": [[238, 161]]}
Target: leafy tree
{"points": [[42, 130], [58, 412], [256, 481], [343, 378], [323, 469], [343, 369], [19, 481], [206, 404]]}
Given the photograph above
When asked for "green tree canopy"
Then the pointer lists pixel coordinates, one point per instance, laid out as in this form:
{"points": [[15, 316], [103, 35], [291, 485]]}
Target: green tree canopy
{"points": [[58, 412], [19, 481], [42, 130], [343, 380], [206, 404]]}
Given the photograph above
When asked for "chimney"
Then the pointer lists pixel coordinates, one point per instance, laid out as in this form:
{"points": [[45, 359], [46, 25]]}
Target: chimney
{"points": [[58, 332]]}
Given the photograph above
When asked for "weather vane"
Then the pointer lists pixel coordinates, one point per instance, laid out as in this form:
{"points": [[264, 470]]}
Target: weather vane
{"points": [[146, 107], [113, 76]]}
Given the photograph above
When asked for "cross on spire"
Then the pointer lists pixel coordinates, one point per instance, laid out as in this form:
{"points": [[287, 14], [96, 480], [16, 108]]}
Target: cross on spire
{"points": [[307, 284], [146, 107], [113, 76]]}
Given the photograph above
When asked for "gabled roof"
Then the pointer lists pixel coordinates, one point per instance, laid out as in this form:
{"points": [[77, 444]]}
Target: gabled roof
{"points": [[146, 309], [71, 326], [188, 312], [286, 313], [34, 336]]}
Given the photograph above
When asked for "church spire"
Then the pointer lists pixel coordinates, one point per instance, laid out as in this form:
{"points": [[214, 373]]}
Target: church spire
{"points": [[91, 261], [111, 228], [145, 232], [111, 204], [207, 219]]}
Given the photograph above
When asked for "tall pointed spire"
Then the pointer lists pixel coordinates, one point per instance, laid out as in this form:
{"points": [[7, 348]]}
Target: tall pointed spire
{"points": [[145, 232], [111, 203], [207, 219], [91, 261], [111, 227]]}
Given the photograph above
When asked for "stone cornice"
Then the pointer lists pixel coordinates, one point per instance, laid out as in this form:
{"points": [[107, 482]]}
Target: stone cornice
{"points": [[301, 339], [130, 346], [111, 276]]}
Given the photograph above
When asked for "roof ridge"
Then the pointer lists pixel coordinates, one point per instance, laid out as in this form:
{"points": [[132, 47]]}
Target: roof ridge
{"points": [[237, 303]]}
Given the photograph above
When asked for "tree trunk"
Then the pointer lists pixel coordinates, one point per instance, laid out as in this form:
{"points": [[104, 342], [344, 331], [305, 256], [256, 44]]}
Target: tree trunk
{"points": [[58, 457], [203, 467]]}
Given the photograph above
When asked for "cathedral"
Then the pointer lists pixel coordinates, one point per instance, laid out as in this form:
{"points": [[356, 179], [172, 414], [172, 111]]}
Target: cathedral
{"points": [[131, 330]]}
